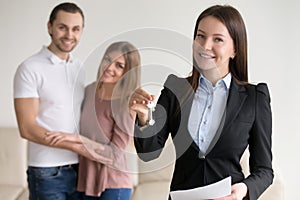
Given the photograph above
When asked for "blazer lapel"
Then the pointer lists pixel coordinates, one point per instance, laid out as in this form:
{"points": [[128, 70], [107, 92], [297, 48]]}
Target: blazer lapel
{"points": [[236, 98]]}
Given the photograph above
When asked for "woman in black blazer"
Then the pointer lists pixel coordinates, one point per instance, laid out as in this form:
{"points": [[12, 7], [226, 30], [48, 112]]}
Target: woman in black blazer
{"points": [[238, 113]]}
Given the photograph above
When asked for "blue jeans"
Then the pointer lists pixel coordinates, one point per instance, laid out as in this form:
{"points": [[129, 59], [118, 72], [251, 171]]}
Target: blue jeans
{"points": [[49, 183], [111, 194]]}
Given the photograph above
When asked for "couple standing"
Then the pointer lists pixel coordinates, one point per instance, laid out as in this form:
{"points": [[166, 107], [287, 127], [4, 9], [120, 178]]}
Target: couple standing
{"points": [[48, 95]]}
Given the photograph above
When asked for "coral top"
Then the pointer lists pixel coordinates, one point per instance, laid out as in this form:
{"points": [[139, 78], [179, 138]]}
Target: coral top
{"points": [[105, 122]]}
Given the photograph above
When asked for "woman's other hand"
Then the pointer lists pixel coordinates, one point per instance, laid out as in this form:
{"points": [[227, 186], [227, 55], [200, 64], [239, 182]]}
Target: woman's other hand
{"points": [[238, 192]]}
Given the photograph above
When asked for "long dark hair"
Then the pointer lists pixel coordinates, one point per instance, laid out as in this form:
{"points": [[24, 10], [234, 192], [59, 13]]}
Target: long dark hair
{"points": [[232, 19]]}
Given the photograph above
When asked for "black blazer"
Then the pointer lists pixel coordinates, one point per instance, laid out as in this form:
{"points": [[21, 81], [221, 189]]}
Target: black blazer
{"points": [[247, 121]]}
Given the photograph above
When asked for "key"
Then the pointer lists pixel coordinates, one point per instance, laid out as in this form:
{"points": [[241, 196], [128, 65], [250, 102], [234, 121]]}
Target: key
{"points": [[151, 108]]}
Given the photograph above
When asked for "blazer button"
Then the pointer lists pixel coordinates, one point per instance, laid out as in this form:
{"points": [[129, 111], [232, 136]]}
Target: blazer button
{"points": [[202, 157]]}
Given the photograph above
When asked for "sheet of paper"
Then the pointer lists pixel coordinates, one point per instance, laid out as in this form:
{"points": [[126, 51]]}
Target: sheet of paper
{"points": [[216, 190]]}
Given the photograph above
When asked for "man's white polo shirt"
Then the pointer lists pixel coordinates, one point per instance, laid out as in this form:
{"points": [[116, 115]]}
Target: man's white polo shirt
{"points": [[59, 85]]}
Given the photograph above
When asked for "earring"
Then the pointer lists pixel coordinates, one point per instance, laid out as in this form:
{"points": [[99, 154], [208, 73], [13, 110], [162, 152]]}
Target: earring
{"points": [[232, 57]]}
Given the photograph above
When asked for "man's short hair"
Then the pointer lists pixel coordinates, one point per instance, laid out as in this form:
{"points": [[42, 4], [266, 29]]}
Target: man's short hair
{"points": [[67, 7]]}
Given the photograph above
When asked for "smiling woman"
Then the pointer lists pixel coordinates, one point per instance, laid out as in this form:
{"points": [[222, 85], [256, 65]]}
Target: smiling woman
{"points": [[213, 115], [213, 49], [113, 67], [107, 122]]}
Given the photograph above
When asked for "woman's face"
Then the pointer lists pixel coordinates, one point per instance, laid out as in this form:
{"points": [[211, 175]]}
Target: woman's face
{"points": [[213, 46], [113, 67]]}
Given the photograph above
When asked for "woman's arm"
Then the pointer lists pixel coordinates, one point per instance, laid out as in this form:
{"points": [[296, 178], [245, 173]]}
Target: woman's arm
{"points": [[260, 146], [26, 111], [150, 140]]}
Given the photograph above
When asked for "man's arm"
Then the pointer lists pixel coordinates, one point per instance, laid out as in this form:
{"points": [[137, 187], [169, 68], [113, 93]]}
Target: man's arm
{"points": [[26, 112]]}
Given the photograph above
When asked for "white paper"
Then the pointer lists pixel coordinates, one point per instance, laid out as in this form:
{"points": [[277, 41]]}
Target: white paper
{"points": [[219, 189]]}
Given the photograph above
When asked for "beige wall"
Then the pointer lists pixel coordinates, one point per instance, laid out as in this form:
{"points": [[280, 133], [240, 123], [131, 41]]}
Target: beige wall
{"points": [[273, 31]]}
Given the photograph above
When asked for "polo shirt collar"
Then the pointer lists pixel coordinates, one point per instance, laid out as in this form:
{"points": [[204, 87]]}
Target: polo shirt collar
{"points": [[54, 58]]}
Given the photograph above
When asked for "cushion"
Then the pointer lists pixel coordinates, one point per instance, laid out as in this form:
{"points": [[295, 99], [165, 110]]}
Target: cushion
{"points": [[8, 192], [152, 191], [13, 157]]}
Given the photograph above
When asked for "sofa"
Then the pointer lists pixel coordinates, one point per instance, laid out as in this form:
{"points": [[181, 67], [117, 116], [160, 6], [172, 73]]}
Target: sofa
{"points": [[13, 162], [150, 180]]}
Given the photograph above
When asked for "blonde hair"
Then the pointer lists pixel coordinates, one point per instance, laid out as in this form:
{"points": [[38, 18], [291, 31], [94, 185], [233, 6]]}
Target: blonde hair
{"points": [[131, 78]]}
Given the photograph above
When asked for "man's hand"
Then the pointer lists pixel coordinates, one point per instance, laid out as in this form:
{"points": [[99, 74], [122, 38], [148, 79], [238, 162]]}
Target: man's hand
{"points": [[80, 144]]}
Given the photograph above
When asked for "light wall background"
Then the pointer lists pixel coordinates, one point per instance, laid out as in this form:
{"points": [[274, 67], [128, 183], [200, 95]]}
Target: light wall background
{"points": [[273, 35]]}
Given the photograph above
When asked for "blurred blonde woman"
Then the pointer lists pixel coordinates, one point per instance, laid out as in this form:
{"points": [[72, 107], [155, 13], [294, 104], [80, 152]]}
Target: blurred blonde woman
{"points": [[106, 126]]}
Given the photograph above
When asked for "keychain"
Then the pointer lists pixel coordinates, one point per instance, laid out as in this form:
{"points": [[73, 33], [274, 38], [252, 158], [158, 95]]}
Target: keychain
{"points": [[151, 108]]}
